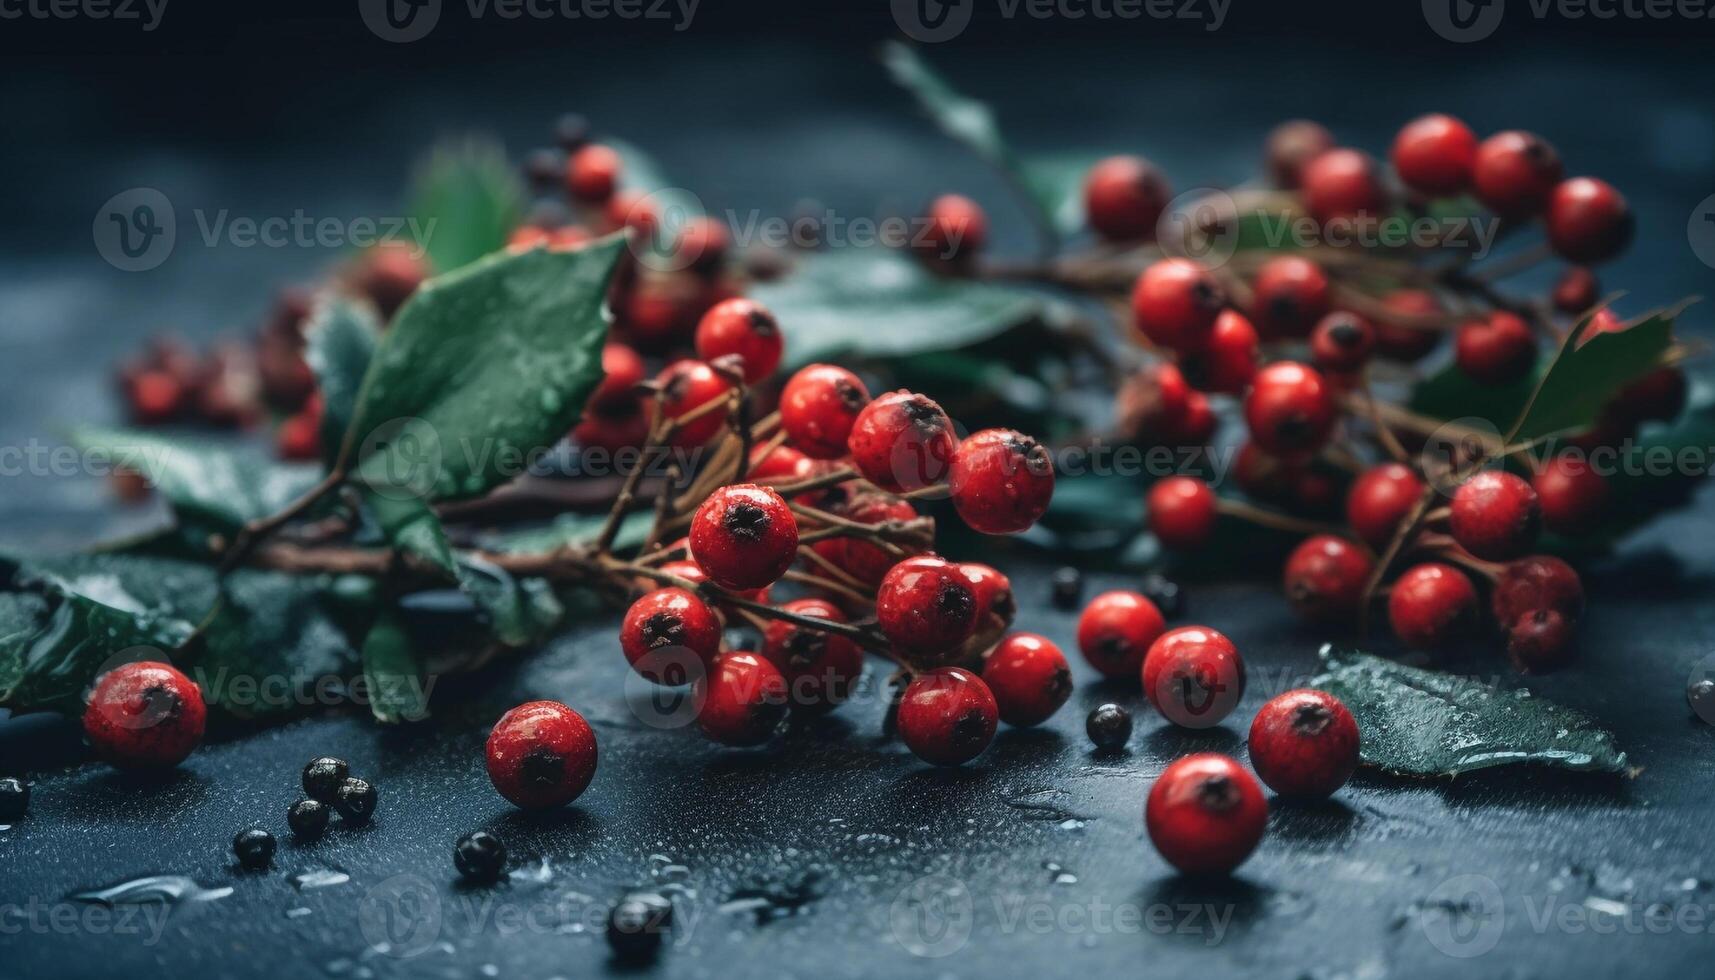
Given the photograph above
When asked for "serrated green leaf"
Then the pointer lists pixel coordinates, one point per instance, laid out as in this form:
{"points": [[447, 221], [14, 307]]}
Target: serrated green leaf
{"points": [[394, 679], [467, 199], [339, 342], [1421, 723]]}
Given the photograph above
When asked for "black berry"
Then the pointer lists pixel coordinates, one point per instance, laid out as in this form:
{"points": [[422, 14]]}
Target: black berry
{"points": [[308, 818], [571, 131], [254, 847], [322, 778], [479, 856], [637, 925], [1109, 727], [1068, 588], [14, 798], [1165, 593], [355, 801], [1700, 694]]}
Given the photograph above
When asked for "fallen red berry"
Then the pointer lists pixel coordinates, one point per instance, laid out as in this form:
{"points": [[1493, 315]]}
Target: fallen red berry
{"points": [[1194, 676], [1205, 814], [144, 715], [1116, 630], [541, 754], [948, 716], [1304, 744], [1029, 678]]}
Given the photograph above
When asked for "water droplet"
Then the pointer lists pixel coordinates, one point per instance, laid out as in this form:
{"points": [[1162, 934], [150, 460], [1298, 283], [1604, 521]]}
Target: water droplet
{"points": [[165, 889], [318, 878]]}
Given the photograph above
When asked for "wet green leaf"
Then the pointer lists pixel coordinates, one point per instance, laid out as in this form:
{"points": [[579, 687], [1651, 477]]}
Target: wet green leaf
{"points": [[467, 199], [339, 341], [395, 682]]}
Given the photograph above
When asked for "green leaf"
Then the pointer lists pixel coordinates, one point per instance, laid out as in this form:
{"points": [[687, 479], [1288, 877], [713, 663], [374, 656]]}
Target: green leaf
{"points": [[483, 367], [467, 200], [395, 681], [521, 613], [1421, 723], [877, 303], [410, 525], [340, 341], [573, 529]]}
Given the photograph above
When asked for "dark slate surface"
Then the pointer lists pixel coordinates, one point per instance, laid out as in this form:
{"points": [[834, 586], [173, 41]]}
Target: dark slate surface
{"points": [[830, 852]]}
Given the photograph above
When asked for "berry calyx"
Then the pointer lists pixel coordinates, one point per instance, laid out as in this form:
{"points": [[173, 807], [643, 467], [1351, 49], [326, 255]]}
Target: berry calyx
{"points": [[1290, 409], [742, 700], [1342, 342], [1182, 512], [541, 754], [820, 668], [1379, 501], [1001, 481], [745, 328], [948, 716], [954, 228], [1175, 303], [902, 441], [1434, 154], [1325, 579], [1194, 676], [1124, 197], [670, 635], [1514, 173], [1343, 184], [1291, 146], [1109, 727], [1291, 295], [479, 857], [592, 172], [1537, 582], [1573, 496], [1431, 605], [144, 715], [1205, 814], [744, 536], [1588, 221], [818, 408], [1496, 350], [686, 386], [1115, 631], [1029, 678], [926, 606], [1304, 744], [1495, 516]]}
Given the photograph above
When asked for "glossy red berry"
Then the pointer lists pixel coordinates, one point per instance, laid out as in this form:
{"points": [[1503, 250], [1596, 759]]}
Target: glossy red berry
{"points": [[742, 700], [1304, 744], [1196, 427], [1588, 221], [1205, 814], [1379, 501], [1029, 677], [779, 464], [746, 328], [144, 715], [1537, 582], [1182, 512], [1124, 197], [1400, 342], [1577, 291], [1175, 303], [1290, 409], [903, 441], [668, 631], [1291, 146], [1540, 641], [691, 572], [744, 536], [1194, 676], [1431, 605], [1343, 184], [948, 716], [1115, 631], [818, 408], [1496, 350], [995, 601], [954, 228], [621, 373], [1496, 516], [1433, 155], [1342, 342], [1228, 362], [1291, 295], [541, 754], [865, 560], [1573, 496], [592, 173], [1001, 481], [820, 668], [689, 385], [1325, 579], [926, 606], [1515, 172]]}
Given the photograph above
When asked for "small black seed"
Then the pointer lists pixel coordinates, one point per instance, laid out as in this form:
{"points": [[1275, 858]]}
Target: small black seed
{"points": [[308, 818], [479, 856], [1165, 593], [355, 801], [323, 776], [254, 847], [14, 798], [1068, 588], [637, 925], [1109, 727]]}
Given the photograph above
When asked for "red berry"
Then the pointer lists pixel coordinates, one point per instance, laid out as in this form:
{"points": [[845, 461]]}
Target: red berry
{"points": [[1265, 477], [1029, 678], [1124, 197], [155, 397], [665, 631], [1497, 350], [1515, 172], [954, 228], [1291, 295], [1573, 496], [299, 438], [1404, 343], [1380, 499], [1342, 342], [622, 372], [613, 424], [1115, 631], [818, 407], [1001, 481], [926, 606], [1290, 409], [691, 572], [1577, 291], [994, 593], [1343, 184], [864, 560], [568, 238], [1304, 744], [689, 385], [1175, 303], [526, 237], [391, 272], [702, 245], [1659, 395], [541, 754], [144, 715], [1194, 428], [1496, 516], [1539, 641], [592, 173], [1432, 604], [635, 211], [1433, 155], [1152, 404], [742, 700], [820, 668], [947, 717], [1205, 814], [1182, 512], [1291, 146], [1325, 579], [1588, 221], [902, 441], [779, 463], [1194, 676], [1537, 582], [743, 327], [744, 537], [1227, 363]]}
